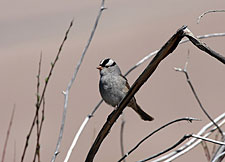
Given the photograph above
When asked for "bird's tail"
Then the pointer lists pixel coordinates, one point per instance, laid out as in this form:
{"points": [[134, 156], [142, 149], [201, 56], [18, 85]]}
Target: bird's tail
{"points": [[140, 112]]}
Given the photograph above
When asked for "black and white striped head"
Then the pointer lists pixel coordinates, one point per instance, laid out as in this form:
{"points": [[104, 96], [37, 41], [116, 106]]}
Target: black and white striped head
{"points": [[108, 66]]}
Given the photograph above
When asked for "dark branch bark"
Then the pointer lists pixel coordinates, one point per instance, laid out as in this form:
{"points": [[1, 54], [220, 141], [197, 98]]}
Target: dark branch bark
{"points": [[163, 52], [168, 48], [203, 46]]}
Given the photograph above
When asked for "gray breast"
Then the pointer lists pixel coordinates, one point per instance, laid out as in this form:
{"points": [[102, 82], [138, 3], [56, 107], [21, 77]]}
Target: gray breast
{"points": [[111, 89]]}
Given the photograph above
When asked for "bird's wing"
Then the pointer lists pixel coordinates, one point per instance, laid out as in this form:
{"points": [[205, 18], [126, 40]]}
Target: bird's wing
{"points": [[127, 84]]}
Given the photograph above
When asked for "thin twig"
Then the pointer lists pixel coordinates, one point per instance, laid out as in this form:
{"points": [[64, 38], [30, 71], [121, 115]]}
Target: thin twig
{"points": [[219, 156], [179, 142], [87, 118], [215, 146], [37, 152], [168, 149], [40, 128], [207, 12], [206, 150], [44, 90], [196, 96], [38, 146], [121, 137], [192, 142], [76, 138], [207, 139], [14, 152], [8, 133], [152, 133], [66, 93]]}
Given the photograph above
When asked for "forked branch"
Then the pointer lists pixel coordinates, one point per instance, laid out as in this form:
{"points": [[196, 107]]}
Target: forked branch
{"points": [[163, 53], [168, 48]]}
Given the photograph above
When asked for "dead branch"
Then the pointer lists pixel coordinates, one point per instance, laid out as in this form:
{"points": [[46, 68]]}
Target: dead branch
{"points": [[219, 154], [157, 130], [207, 12], [219, 157], [208, 139], [187, 136], [206, 150], [37, 149], [168, 149], [150, 55], [7, 135], [168, 48], [121, 137], [203, 46], [44, 90], [66, 93], [196, 96], [193, 142], [163, 53]]}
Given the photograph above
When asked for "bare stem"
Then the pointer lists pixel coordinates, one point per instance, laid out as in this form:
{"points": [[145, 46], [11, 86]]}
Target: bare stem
{"points": [[121, 137], [179, 142], [206, 150], [207, 139], [44, 90], [7, 135], [193, 142], [66, 93], [196, 96], [157, 130], [207, 12], [37, 152], [168, 149]]}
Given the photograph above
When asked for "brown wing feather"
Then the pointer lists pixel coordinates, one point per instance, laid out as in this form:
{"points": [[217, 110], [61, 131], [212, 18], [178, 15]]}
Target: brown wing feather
{"points": [[133, 104]]}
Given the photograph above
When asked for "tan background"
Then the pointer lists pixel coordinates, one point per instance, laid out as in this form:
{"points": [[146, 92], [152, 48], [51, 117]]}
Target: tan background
{"points": [[128, 31]]}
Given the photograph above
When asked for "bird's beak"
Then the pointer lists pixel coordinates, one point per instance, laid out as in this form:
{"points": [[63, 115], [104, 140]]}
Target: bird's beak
{"points": [[99, 67]]}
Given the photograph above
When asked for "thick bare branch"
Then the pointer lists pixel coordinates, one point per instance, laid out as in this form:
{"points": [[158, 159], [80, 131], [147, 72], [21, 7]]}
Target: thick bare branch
{"points": [[163, 52], [150, 55], [203, 46]]}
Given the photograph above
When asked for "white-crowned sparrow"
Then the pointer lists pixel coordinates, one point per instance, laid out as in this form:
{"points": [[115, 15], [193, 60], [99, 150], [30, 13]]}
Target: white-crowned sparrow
{"points": [[113, 87]]}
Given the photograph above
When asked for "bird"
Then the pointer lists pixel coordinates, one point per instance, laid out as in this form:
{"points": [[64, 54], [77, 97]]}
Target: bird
{"points": [[113, 87]]}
